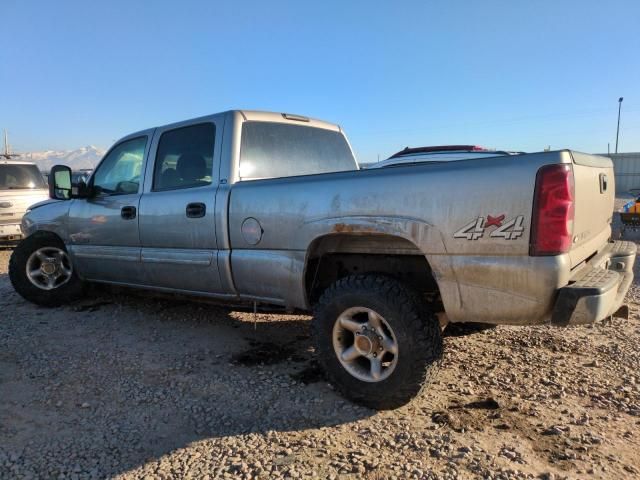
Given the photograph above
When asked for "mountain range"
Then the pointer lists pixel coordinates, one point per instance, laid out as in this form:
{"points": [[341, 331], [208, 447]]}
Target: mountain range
{"points": [[78, 159]]}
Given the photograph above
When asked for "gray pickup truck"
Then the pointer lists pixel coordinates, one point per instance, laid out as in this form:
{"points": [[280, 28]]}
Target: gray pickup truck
{"points": [[271, 208]]}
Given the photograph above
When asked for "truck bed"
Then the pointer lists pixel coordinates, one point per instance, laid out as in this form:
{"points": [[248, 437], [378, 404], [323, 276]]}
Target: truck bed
{"points": [[471, 219]]}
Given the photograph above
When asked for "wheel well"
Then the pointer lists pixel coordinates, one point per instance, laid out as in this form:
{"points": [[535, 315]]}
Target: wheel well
{"points": [[337, 256], [46, 233]]}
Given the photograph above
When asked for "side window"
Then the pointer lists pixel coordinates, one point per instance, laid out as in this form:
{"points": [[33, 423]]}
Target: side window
{"points": [[185, 157], [119, 173]]}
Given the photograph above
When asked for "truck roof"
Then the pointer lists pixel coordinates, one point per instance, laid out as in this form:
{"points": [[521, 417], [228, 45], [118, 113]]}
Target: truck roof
{"points": [[246, 115], [283, 117], [262, 116], [15, 162]]}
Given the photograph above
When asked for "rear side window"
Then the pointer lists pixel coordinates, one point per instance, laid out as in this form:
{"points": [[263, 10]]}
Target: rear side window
{"points": [[271, 150], [185, 157]]}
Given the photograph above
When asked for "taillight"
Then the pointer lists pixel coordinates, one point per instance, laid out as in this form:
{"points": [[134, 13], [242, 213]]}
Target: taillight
{"points": [[552, 219]]}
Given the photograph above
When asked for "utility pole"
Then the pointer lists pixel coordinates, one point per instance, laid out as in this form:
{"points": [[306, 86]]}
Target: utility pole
{"points": [[618, 130]]}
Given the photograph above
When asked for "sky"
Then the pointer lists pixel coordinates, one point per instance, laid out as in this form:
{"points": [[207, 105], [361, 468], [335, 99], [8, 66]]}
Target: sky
{"points": [[518, 75]]}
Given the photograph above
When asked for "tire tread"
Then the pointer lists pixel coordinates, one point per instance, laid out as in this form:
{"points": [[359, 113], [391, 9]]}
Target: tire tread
{"points": [[419, 320], [66, 293]]}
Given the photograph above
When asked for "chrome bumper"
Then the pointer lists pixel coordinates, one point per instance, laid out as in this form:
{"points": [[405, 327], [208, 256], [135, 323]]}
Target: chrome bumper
{"points": [[598, 289]]}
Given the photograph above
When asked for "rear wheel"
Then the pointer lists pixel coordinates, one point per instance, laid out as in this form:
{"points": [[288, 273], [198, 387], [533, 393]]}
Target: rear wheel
{"points": [[41, 271], [376, 340]]}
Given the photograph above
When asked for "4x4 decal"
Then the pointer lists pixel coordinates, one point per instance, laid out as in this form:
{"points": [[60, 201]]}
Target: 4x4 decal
{"points": [[509, 230]]}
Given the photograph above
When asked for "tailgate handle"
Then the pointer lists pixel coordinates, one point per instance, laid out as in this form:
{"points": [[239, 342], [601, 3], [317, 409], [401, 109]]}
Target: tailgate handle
{"points": [[603, 182]]}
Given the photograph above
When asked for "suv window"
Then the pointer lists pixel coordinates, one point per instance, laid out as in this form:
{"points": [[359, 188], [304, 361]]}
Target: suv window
{"points": [[185, 157], [271, 150], [119, 172]]}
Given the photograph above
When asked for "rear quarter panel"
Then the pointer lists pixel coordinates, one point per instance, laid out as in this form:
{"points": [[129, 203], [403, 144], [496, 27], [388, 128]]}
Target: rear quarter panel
{"points": [[486, 275]]}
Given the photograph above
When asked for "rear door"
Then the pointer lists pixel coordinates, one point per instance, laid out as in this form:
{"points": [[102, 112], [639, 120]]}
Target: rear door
{"points": [[177, 221], [594, 190], [103, 229]]}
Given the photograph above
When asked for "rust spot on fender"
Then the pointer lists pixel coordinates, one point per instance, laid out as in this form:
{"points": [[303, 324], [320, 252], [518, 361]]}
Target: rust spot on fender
{"points": [[341, 227], [346, 228]]}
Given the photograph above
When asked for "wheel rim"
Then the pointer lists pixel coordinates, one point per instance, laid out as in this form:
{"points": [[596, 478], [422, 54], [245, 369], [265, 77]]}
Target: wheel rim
{"points": [[49, 268], [365, 344]]}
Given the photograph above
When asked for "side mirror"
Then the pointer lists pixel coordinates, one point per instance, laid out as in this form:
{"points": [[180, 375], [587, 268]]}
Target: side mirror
{"points": [[60, 183], [61, 186]]}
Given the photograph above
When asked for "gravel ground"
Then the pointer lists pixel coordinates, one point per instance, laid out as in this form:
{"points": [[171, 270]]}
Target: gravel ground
{"points": [[129, 386]]}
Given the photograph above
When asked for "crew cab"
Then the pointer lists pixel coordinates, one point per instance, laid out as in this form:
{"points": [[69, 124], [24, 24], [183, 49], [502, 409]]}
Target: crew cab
{"points": [[270, 208]]}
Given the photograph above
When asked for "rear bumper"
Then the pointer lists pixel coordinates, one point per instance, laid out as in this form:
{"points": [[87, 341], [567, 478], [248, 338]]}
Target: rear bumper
{"points": [[10, 232], [598, 289]]}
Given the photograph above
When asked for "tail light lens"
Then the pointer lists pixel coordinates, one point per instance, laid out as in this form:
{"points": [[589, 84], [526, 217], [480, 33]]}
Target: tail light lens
{"points": [[553, 209]]}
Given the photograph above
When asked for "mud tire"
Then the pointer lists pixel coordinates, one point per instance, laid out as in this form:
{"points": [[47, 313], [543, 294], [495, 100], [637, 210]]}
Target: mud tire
{"points": [[66, 293], [416, 328]]}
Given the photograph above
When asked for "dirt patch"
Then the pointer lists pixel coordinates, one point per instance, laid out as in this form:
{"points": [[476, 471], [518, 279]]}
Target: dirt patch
{"points": [[266, 353], [90, 305], [312, 373], [485, 404], [132, 386]]}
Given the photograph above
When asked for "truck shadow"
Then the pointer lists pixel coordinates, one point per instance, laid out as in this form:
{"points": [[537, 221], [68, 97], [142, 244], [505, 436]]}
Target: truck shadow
{"points": [[119, 380]]}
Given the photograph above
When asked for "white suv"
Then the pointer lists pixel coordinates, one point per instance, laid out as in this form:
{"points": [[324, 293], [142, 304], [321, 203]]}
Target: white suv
{"points": [[21, 185]]}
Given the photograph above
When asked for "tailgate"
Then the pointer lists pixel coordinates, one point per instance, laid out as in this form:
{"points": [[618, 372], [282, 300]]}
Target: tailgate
{"points": [[594, 203]]}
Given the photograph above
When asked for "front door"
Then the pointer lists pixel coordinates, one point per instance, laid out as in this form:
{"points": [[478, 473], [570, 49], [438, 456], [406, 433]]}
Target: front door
{"points": [[103, 230], [177, 222]]}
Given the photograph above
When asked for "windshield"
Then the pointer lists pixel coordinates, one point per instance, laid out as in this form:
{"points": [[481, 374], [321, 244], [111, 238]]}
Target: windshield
{"points": [[20, 177]]}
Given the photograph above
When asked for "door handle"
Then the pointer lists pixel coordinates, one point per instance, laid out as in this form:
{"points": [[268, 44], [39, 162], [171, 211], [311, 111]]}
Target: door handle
{"points": [[128, 213], [196, 210]]}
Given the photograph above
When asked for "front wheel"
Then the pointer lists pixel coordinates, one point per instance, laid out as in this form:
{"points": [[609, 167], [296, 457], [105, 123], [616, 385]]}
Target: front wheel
{"points": [[41, 271], [376, 339]]}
